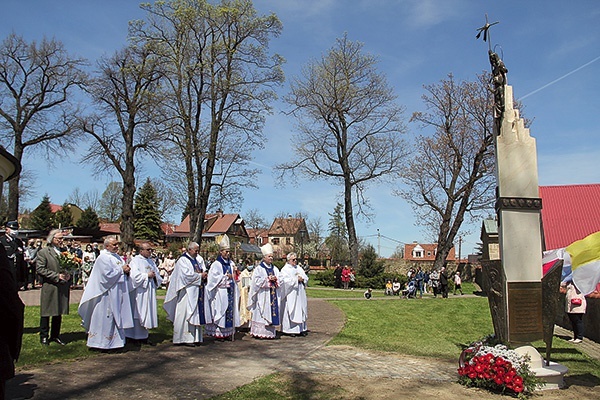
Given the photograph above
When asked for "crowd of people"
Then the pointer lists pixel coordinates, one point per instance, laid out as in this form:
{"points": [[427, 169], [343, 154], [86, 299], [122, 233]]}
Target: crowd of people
{"points": [[421, 282], [216, 298]]}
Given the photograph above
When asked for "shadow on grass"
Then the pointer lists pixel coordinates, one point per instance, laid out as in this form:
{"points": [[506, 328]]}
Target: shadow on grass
{"points": [[19, 388], [587, 380], [307, 388]]}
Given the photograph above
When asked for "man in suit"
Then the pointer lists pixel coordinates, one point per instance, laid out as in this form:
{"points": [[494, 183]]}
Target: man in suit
{"points": [[54, 298], [15, 250]]}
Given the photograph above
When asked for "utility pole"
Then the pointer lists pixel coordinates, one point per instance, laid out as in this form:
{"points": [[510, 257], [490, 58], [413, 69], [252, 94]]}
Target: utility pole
{"points": [[378, 243], [459, 247]]}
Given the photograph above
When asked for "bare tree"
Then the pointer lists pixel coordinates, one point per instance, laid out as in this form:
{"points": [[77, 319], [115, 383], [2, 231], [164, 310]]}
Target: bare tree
{"points": [[315, 230], [37, 83], [350, 127], [255, 220], [218, 80], [451, 173], [83, 200], [109, 205], [125, 93], [167, 198]]}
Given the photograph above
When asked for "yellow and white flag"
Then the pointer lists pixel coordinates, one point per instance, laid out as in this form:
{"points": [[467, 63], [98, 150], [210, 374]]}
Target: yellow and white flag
{"points": [[585, 262]]}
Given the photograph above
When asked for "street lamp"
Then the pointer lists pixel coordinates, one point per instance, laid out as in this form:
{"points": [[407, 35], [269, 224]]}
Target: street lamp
{"points": [[302, 233]]}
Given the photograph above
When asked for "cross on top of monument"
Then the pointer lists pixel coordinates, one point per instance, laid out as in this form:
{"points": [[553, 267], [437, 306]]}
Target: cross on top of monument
{"points": [[485, 30]]}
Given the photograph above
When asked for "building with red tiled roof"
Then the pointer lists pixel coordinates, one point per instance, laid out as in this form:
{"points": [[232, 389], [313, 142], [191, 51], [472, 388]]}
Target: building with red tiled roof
{"points": [[215, 226], [258, 237], [287, 234], [569, 213], [424, 252]]}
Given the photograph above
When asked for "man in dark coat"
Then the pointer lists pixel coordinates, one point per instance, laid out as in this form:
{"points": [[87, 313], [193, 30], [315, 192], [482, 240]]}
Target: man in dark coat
{"points": [[444, 282], [15, 251], [54, 298], [11, 315], [337, 274]]}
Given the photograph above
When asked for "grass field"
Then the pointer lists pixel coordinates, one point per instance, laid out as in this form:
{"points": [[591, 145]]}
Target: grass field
{"points": [[429, 328]]}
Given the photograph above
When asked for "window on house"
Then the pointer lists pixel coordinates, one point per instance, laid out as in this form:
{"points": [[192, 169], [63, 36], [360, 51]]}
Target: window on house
{"points": [[288, 241], [428, 254], [418, 254], [275, 241]]}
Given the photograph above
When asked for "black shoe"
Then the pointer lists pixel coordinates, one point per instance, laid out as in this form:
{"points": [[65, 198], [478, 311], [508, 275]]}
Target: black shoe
{"points": [[57, 340], [44, 341], [186, 344], [305, 333]]}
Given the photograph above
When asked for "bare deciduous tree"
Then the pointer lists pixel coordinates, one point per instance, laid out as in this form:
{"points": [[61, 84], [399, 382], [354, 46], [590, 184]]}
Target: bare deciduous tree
{"points": [[109, 205], [37, 83], [350, 127], [218, 80], [125, 93], [451, 173]]}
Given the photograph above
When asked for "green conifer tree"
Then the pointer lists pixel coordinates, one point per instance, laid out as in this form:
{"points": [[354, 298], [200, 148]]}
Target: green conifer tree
{"points": [[89, 222], [42, 218], [147, 215], [63, 218], [369, 265]]}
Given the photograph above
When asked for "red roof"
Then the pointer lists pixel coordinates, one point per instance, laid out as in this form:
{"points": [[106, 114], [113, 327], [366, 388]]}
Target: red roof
{"points": [[429, 251], [569, 213], [111, 227], [214, 223]]}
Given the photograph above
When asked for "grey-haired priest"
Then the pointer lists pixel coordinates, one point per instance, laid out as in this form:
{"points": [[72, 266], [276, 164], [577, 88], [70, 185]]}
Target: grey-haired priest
{"points": [[264, 297], [294, 304], [223, 294], [185, 302]]}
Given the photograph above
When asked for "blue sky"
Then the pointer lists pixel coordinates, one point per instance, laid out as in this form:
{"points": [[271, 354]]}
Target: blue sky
{"points": [[551, 49]]}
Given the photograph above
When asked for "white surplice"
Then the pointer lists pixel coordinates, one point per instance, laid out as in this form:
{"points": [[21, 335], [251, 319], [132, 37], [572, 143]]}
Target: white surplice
{"points": [[259, 303], [216, 290], [105, 307], [142, 293], [294, 304], [181, 301]]}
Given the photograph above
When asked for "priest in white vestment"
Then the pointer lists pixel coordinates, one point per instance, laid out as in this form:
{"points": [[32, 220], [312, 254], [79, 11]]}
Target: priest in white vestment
{"points": [[223, 294], [144, 279], [105, 307], [294, 304], [185, 301], [264, 296], [244, 288]]}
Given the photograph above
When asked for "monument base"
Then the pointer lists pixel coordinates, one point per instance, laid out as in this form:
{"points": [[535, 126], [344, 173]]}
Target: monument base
{"points": [[552, 375]]}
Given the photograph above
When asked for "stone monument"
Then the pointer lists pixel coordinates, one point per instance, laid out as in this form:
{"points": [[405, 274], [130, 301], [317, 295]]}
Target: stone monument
{"points": [[515, 281]]}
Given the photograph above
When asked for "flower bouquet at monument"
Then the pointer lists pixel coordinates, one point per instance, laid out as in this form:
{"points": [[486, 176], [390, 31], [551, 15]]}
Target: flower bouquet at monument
{"points": [[69, 262], [496, 368]]}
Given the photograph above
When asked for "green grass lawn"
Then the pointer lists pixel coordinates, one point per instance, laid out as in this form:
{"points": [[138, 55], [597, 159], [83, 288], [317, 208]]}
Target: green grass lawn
{"points": [[428, 328], [33, 353]]}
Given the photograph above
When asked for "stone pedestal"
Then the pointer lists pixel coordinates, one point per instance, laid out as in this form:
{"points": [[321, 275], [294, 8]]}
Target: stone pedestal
{"points": [[551, 373], [519, 226]]}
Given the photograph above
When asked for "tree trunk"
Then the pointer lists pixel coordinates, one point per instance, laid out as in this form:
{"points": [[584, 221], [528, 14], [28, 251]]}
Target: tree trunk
{"points": [[127, 215], [13, 186], [352, 240]]}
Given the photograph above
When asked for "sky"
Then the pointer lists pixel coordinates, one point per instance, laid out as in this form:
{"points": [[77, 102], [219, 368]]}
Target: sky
{"points": [[551, 50]]}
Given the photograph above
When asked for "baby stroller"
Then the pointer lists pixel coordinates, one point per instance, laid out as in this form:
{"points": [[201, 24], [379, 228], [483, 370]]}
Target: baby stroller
{"points": [[410, 291]]}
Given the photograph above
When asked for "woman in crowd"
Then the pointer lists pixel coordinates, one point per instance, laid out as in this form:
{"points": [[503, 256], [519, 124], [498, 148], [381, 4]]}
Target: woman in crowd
{"points": [[89, 257], [575, 308]]}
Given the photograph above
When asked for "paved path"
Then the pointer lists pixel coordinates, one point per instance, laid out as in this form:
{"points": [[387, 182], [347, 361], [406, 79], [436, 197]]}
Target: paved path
{"points": [[165, 371]]}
